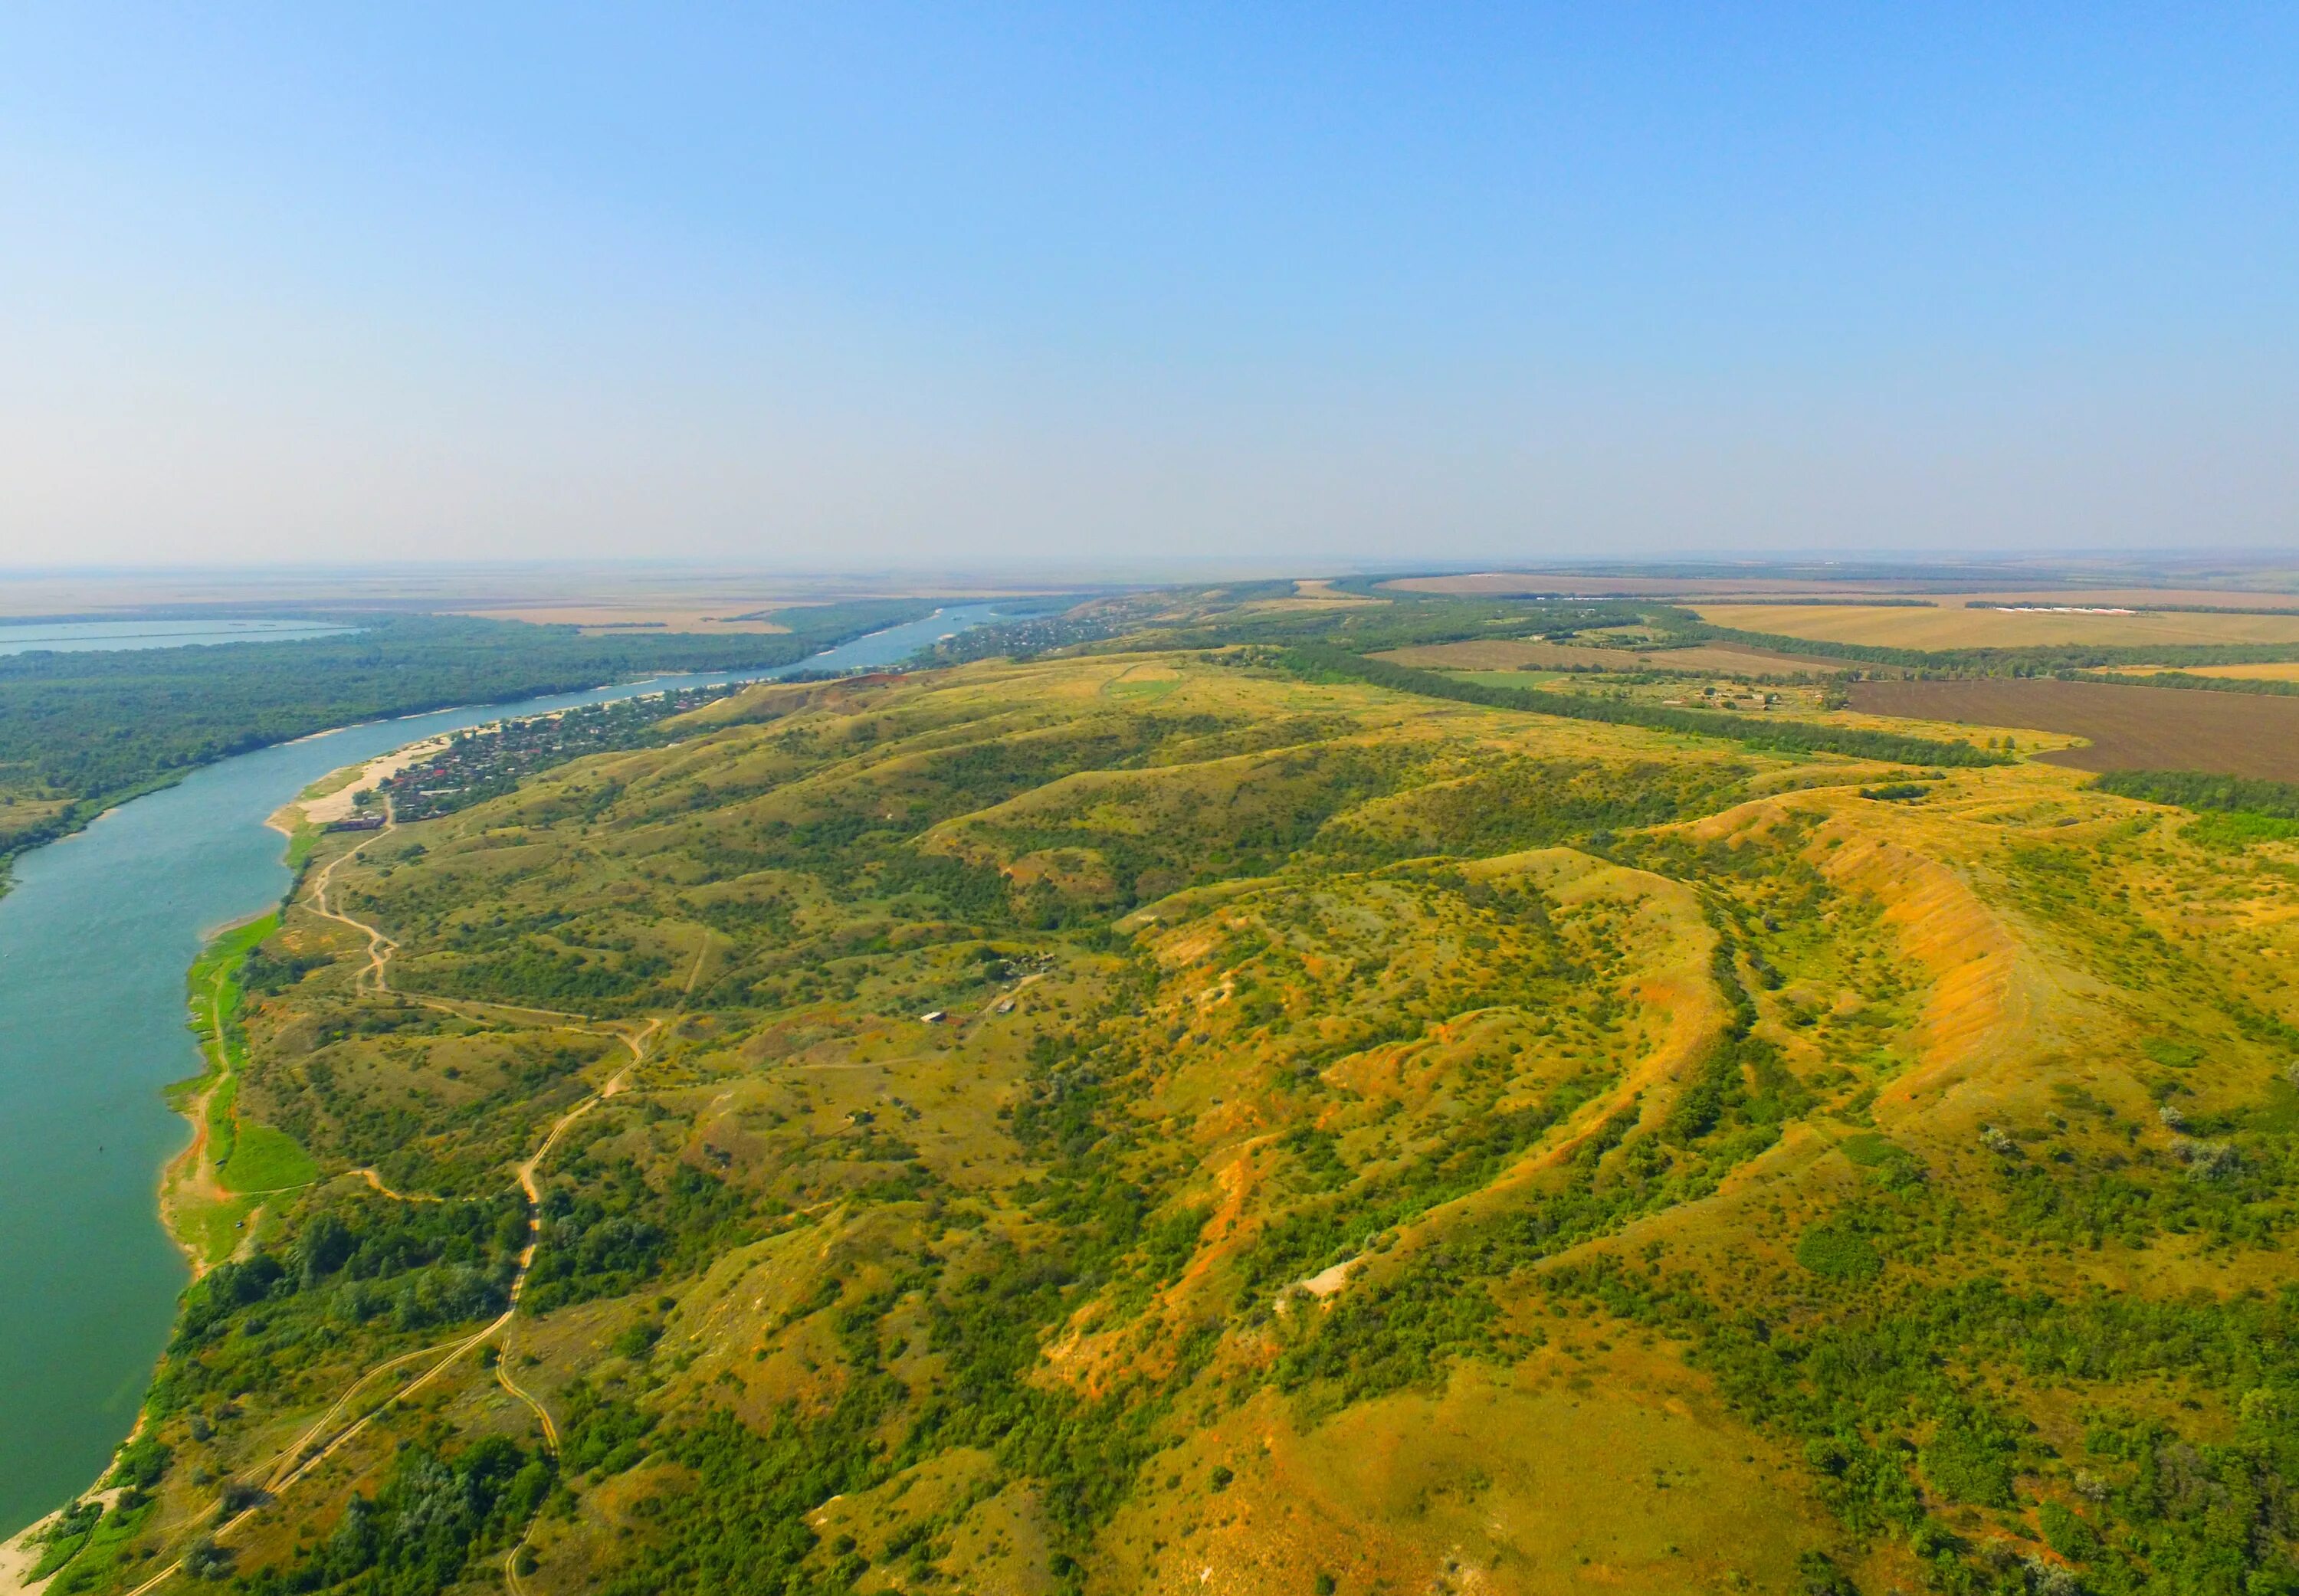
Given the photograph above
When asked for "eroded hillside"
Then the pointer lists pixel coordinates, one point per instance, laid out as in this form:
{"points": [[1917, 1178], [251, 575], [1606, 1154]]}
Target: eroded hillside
{"points": [[1148, 1122]]}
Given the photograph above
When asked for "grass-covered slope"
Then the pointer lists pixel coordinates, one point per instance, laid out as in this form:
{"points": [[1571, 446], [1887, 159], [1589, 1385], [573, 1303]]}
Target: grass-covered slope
{"points": [[1153, 1122]]}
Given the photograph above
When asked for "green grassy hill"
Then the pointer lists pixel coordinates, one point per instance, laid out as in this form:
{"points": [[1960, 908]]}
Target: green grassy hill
{"points": [[1155, 1121]]}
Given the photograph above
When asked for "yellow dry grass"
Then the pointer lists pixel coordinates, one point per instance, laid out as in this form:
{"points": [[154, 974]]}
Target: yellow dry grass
{"points": [[2009, 1012], [1983, 988], [1584, 1450], [1584, 1465], [1668, 945], [21, 814], [2281, 670]]}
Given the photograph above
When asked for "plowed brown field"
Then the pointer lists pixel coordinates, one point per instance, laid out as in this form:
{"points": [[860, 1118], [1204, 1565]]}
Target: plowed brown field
{"points": [[2130, 728]]}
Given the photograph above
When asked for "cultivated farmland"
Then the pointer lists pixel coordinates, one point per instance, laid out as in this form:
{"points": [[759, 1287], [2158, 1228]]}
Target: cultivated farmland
{"points": [[2130, 728], [2138, 597], [1904, 626], [2277, 669]]}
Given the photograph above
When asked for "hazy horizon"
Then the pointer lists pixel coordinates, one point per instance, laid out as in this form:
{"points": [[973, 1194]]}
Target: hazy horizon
{"points": [[885, 288], [1039, 571]]}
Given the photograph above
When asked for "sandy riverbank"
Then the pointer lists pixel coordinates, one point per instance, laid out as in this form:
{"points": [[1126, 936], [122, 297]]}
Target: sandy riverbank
{"points": [[20, 1554], [331, 797]]}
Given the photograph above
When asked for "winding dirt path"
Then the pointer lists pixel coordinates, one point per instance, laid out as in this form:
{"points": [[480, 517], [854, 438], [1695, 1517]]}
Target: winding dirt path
{"points": [[316, 1444], [193, 1175], [375, 1180], [330, 1432], [379, 947]]}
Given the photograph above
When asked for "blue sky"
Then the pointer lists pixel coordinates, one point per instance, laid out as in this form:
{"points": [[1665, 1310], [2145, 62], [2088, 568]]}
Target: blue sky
{"points": [[850, 285]]}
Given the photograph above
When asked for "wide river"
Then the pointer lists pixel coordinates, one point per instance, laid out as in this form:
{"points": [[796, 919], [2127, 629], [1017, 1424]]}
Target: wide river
{"points": [[94, 940]]}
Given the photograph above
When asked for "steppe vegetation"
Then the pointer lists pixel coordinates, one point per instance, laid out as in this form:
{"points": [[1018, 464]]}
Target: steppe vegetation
{"points": [[1220, 1110]]}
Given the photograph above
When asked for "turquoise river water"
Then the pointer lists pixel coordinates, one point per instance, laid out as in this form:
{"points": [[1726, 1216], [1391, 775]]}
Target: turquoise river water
{"points": [[94, 940]]}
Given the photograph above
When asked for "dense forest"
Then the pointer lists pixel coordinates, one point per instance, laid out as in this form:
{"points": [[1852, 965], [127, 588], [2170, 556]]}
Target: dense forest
{"points": [[2199, 790]]}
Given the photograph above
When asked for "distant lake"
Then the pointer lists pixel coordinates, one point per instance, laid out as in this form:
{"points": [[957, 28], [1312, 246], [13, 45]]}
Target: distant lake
{"points": [[69, 637]]}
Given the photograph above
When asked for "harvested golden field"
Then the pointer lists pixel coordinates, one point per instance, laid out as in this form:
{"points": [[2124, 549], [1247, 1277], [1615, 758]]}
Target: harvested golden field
{"points": [[2136, 598], [1151, 1122], [2286, 670], [2129, 728], [1949, 625]]}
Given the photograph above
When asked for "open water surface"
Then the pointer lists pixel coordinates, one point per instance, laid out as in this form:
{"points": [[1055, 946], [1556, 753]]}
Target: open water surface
{"points": [[96, 937], [78, 637]]}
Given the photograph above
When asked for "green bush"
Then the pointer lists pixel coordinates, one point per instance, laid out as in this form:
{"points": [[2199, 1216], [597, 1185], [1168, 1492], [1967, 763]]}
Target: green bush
{"points": [[1839, 1254], [1969, 1458]]}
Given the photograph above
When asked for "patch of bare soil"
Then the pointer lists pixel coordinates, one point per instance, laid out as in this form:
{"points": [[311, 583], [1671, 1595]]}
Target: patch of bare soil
{"points": [[2130, 728]]}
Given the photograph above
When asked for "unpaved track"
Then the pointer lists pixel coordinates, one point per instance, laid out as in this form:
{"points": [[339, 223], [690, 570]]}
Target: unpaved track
{"points": [[378, 946], [375, 1180], [309, 1450], [322, 1440]]}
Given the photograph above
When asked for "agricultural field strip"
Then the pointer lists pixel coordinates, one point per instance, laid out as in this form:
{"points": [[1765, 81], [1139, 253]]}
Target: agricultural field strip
{"points": [[2127, 727], [1935, 629]]}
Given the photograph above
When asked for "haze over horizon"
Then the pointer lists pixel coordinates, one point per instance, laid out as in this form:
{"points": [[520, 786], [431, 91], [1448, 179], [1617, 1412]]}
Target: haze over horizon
{"points": [[821, 289]]}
